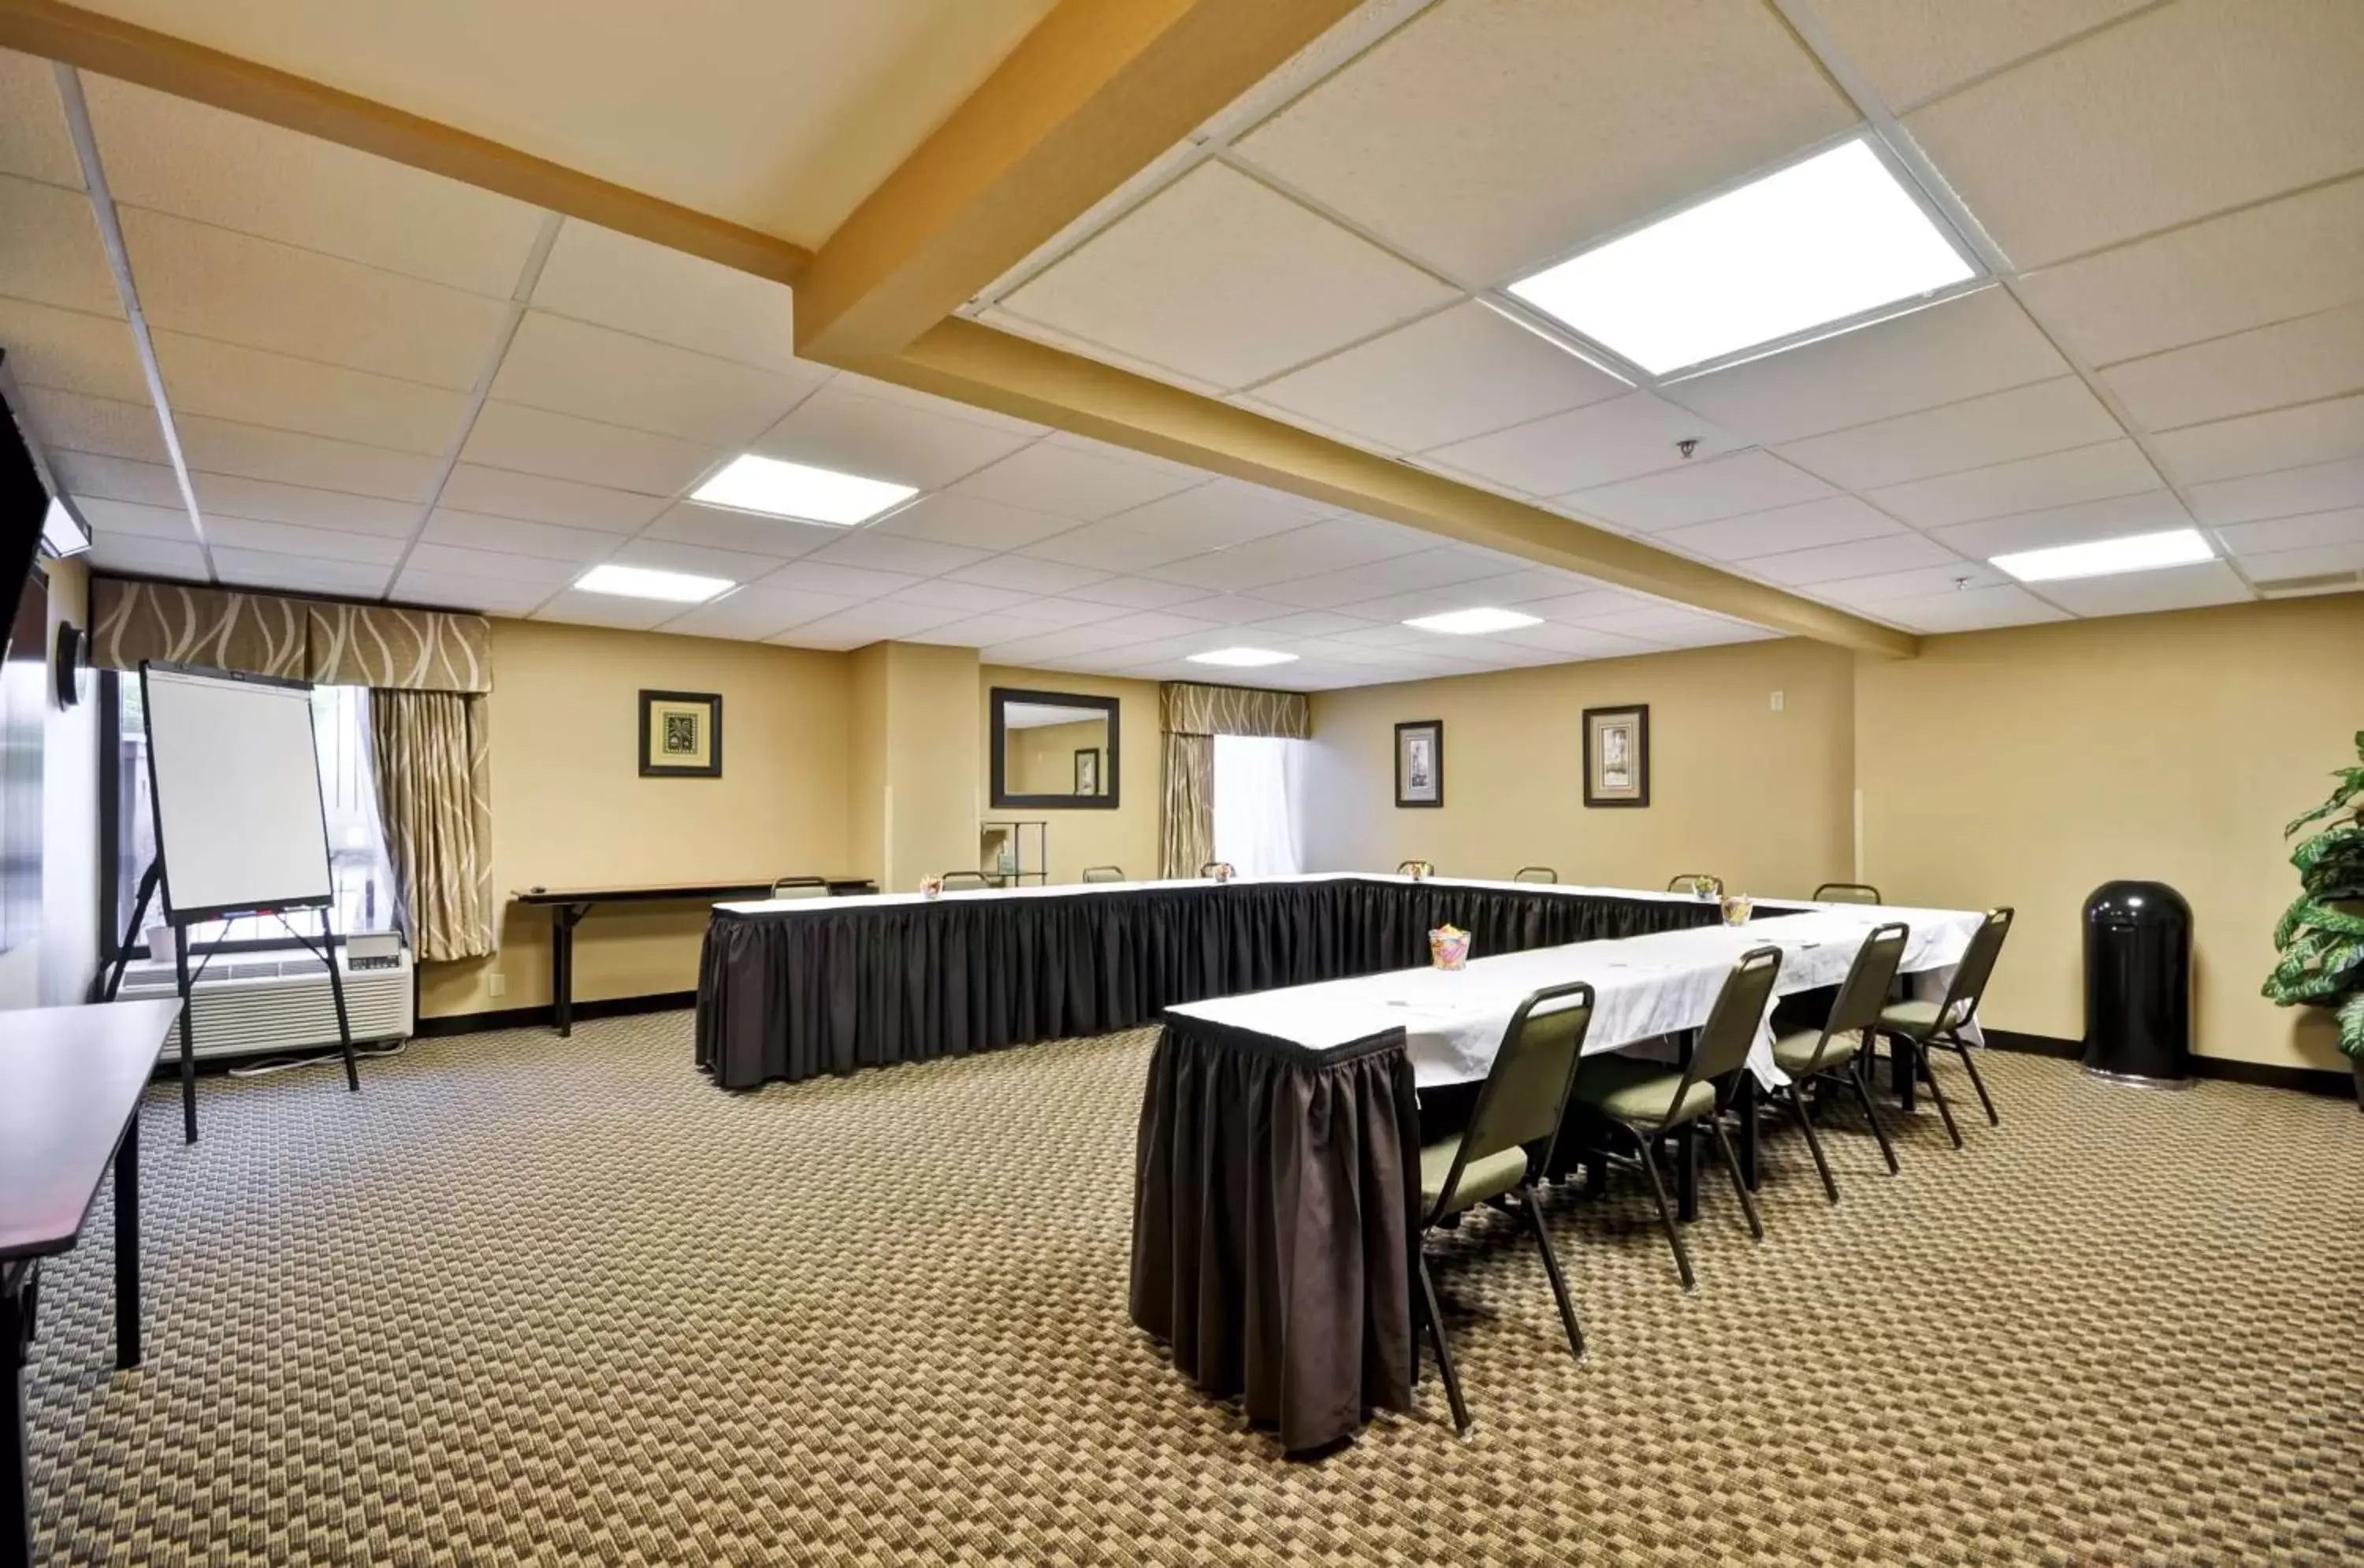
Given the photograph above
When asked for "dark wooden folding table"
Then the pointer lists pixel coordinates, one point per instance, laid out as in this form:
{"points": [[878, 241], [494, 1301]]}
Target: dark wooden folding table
{"points": [[70, 1085]]}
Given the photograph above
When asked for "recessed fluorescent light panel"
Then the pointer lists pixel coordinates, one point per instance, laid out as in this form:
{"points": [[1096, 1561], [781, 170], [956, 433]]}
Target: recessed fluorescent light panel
{"points": [[1244, 658], [1821, 241], [2104, 557], [646, 583], [1469, 623], [777, 489]]}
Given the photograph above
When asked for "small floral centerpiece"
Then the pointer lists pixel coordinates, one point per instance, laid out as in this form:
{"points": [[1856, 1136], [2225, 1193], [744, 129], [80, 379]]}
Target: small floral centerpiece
{"points": [[1421, 870], [1222, 871], [1736, 909], [930, 887], [1448, 947]]}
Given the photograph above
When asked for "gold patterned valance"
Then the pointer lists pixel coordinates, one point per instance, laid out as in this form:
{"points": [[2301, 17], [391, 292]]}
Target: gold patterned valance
{"points": [[1193, 709], [392, 650], [254, 634], [308, 640]]}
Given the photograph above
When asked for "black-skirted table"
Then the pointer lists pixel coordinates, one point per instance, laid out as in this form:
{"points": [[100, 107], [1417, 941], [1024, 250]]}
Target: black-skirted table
{"points": [[70, 1085], [567, 905]]}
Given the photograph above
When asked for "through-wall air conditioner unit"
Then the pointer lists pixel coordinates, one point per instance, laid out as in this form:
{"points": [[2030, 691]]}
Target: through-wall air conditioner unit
{"points": [[272, 1003]]}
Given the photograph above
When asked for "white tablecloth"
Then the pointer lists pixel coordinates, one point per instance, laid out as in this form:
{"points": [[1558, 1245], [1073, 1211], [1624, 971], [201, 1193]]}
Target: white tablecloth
{"points": [[1644, 987], [1073, 889]]}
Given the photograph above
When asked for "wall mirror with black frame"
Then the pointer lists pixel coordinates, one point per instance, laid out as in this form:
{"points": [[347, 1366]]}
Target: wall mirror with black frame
{"points": [[1054, 750]]}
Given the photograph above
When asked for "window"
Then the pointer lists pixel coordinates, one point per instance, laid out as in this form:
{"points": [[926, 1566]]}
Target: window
{"points": [[364, 882], [1255, 804]]}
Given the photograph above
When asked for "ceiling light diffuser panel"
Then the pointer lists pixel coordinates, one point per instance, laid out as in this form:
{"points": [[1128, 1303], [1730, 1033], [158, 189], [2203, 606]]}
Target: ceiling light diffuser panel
{"points": [[2108, 557], [1821, 241], [1472, 623], [777, 489], [1244, 658], [647, 583]]}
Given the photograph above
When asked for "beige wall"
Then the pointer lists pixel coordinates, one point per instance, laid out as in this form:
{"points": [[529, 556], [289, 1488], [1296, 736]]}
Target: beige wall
{"points": [[1043, 756], [918, 701], [1126, 836], [1756, 797], [55, 967], [570, 807], [2026, 767]]}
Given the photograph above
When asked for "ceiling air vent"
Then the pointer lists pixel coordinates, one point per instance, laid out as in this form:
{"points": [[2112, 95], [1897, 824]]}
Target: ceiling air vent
{"points": [[2320, 583]]}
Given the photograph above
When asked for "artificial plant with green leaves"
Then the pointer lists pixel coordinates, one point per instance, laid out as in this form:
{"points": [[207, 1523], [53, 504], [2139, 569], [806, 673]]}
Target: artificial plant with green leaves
{"points": [[2320, 935]]}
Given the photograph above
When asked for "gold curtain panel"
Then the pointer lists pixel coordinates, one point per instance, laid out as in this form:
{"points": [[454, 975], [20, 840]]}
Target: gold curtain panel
{"points": [[1192, 709], [310, 639]]}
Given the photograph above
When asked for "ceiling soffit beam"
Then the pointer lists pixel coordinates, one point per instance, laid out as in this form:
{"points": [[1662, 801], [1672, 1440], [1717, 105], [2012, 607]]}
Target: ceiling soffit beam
{"points": [[78, 37], [989, 369], [1091, 97]]}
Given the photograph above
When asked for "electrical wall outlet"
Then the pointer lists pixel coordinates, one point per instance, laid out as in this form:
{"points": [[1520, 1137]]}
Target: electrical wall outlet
{"points": [[496, 985], [1777, 702]]}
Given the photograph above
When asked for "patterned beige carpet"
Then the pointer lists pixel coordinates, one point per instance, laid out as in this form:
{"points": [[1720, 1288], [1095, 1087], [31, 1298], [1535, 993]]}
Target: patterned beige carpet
{"points": [[527, 1300]]}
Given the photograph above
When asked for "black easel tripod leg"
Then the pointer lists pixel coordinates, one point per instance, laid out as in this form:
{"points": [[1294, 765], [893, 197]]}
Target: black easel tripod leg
{"points": [[337, 993], [189, 1036]]}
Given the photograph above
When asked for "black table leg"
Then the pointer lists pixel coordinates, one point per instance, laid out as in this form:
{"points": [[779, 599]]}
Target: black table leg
{"points": [[1903, 1070], [1743, 1100], [127, 1246], [562, 920], [16, 1452], [1686, 1159]]}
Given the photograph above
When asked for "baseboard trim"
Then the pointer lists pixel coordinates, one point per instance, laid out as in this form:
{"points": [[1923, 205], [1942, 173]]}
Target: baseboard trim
{"points": [[2326, 1082], [543, 1018]]}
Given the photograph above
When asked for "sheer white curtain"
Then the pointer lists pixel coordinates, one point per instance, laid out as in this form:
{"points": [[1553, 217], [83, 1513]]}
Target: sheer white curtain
{"points": [[1256, 807]]}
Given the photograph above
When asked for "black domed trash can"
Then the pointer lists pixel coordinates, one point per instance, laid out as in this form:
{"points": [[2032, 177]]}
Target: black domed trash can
{"points": [[2139, 984]]}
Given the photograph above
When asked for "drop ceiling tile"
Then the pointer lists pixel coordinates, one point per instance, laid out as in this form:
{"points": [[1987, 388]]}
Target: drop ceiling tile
{"points": [[179, 157], [956, 518], [1220, 515], [504, 493], [750, 533], [2151, 512], [1047, 612], [1582, 642], [68, 421], [1585, 607], [483, 595], [34, 141], [980, 631], [90, 477], [1065, 643], [474, 530], [261, 569], [2184, 111], [1671, 625], [318, 463], [1698, 493], [844, 432], [1329, 546], [1515, 588], [1065, 480], [1912, 51], [1246, 282], [1835, 519], [848, 582], [1427, 568], [212, 282], [1146, 626], [133, 519], [148, 557], [571, 368], [2027, 421], [1458, 373], [893, 552], [756, 613], [864, 624], [49, 250], [1452, 137], [2313, 531], [1136, 592], [559, 446], [578, 608], [1111, 546], [1028, 574], [2258, 443], [1979, 343], [267, 503], [1231, 609], [1312, 623], [2290, 362], [2245, 269], [1619, 439], [226, 381], [969, 598], [1975, 609], [1863, 558], [1018, 326], [1382, 637], [280, 539], [633, 285], [2319, 487], [1183, 473], [1920, 583], [492, 565], [672, 555], [2140, 593], [2282, 565], [68, 351], [2057, 479], [928, 402]]}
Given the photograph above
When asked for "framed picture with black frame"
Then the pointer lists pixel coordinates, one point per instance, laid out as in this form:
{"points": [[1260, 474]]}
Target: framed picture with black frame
{"points": [[1617, 755], [681, 735], [1088, 770], [1420, 762]]}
